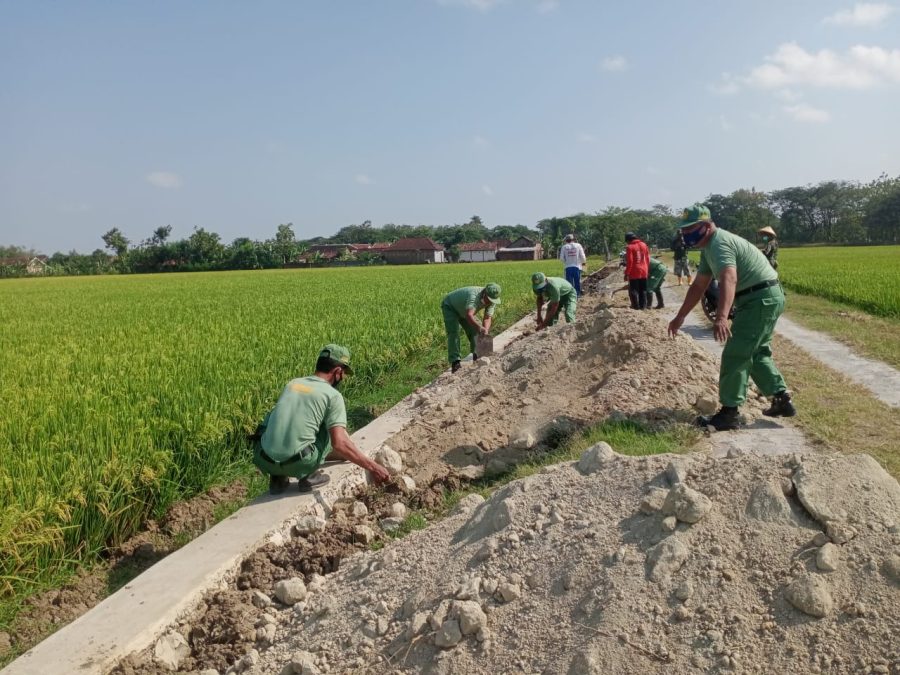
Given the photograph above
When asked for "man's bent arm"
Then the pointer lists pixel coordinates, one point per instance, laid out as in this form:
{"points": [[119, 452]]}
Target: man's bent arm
{"points": [[472, 319], [344, 448]]}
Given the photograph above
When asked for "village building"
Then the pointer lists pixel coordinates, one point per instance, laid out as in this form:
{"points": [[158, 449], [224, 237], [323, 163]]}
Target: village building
{"points": [[522, 248], [479, 251], [35, 265], [414, 250]]}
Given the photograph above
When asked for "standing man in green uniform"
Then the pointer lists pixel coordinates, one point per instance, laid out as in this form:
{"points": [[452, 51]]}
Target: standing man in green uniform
{"points": [[655, 281], [309, 424], [558, 294], [747, 281], [459, 308]]}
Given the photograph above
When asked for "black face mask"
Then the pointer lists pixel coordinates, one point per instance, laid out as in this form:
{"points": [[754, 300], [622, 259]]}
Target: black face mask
{"points": [[691, 239]]}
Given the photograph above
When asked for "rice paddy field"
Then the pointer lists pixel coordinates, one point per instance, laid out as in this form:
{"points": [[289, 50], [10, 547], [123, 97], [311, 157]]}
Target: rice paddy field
{"points": [[122, 394], [866, 277]]}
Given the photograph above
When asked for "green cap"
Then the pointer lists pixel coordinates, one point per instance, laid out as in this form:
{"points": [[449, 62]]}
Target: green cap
{"points": [[492, 293], [538, 281], [693, 215], [339, 354]]}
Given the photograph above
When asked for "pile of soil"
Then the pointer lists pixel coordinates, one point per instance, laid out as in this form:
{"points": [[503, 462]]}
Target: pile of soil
{"points": [[752, 564], [612, 564]]}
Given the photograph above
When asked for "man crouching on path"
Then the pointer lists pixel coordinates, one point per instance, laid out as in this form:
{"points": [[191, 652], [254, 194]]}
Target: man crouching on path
{"points": [[747, 281], [459, 308], [309, 424]]}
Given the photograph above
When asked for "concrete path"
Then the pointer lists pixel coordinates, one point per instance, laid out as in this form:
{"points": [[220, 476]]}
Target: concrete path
{"points": [[135, 616], [763, 436], [876, 376]]}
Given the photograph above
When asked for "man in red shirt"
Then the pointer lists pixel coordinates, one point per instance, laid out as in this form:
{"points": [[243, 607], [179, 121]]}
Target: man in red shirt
{"points": [[637, 269]]}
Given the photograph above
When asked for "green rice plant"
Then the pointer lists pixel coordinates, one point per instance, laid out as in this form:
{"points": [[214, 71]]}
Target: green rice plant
{"points": [[867, 277], [123, 394]]}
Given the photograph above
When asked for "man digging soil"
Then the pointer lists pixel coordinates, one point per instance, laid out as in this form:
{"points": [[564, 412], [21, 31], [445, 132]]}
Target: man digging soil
{"points": [[307, 425], [747, 281]]}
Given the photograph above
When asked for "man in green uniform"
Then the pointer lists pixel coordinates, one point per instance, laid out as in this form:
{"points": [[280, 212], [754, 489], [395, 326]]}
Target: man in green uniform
{"points": [[558, 294], [655, 281], [309, 424], [459, 308], [747, 281]]}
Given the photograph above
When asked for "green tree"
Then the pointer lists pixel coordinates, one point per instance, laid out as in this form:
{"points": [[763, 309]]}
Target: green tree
{"points": [[116, 242]]}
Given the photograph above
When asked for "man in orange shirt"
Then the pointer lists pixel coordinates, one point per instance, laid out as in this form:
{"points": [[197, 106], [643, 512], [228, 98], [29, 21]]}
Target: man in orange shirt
{"points": [[637, 269]]}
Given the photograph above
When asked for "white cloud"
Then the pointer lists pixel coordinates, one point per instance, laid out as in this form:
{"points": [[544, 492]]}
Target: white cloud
{"points": [[614, 64], [806, 113], [547, 6], [480, 5], [164, 179], [480, 142], [859, 68], [587, 138], [363, 179], [486, 189], [864, 14], [725, 86]]}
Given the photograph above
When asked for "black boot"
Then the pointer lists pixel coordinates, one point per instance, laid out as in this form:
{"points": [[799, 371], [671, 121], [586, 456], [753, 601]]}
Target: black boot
{"points": [[725, 420], [313, 481], [659, 300], [781, 406], [456, 365], [278, 484]]}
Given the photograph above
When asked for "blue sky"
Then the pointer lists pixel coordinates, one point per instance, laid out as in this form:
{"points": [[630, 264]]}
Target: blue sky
{"points": [[238, 116]]}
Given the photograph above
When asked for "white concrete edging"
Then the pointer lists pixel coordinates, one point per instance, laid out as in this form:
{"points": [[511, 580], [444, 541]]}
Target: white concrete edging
{"points": [[135, 616]]}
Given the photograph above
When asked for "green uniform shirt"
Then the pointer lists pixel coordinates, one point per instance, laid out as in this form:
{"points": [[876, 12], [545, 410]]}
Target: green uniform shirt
{"points": [[307, 408], [555, 290], [463, 299], [729, 250]]}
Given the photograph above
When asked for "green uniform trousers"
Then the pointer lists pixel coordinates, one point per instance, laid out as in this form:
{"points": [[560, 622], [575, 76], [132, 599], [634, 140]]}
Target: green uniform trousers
{"points": [[453, 322], [748, 352], [299, 466], [567, 305], [655, 281]]}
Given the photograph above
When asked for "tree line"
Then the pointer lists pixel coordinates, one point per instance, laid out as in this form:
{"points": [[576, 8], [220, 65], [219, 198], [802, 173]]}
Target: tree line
{"points": [[831, 212]]}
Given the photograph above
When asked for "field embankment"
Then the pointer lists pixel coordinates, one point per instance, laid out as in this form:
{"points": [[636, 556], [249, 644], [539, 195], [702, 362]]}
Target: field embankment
{"points": [[124, 394]]}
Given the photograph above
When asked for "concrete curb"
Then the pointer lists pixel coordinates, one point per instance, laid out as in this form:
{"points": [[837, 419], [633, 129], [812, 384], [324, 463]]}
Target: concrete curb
{"points": [[135, 616]]}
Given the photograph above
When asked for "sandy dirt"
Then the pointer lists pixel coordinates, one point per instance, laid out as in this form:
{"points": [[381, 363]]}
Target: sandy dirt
{"points": [[738, 558]]}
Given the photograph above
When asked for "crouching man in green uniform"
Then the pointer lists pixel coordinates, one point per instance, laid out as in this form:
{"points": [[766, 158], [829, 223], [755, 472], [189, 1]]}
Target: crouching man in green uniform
{"points": [[654, 283], [559, 296], [309, 424], [459, 308], [747, 281]]}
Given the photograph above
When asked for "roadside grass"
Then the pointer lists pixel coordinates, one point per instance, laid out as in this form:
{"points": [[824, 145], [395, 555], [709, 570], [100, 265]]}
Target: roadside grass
{"points": [[873, 336], [626, 438], [837, 413]]}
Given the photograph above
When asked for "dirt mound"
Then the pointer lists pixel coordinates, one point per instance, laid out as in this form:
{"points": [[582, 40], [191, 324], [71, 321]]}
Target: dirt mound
{"points": [[662, 564], [612, 361], [624, 570]]}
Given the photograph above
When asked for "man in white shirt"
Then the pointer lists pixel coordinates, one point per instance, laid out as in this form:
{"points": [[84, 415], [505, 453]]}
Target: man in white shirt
{"points": [[572, 255]]}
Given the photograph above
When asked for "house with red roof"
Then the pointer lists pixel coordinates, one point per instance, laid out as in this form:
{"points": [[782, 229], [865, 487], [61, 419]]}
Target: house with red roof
{"points": [[413, 251], [479, 251]]}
